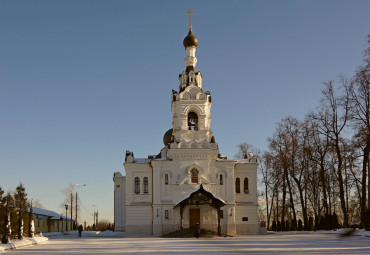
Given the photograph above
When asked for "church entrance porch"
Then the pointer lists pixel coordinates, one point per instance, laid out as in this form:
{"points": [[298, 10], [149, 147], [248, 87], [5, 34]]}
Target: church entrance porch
{"points": [[198, 197], [194, 217]]}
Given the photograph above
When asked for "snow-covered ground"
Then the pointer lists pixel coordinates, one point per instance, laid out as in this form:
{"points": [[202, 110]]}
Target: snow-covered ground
{"points": [[40, 238], [321, 242], [15, 243], [107, 233]]}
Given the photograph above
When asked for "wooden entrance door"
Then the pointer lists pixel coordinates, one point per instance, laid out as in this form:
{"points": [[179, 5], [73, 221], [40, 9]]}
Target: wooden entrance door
{"points": [[194, 217]]}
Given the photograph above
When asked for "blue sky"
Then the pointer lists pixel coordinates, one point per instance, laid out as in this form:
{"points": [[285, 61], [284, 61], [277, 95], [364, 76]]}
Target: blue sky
{"points": [[83, 81]]}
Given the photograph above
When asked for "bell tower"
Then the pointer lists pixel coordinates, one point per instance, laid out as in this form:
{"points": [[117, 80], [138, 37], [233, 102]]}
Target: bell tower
{"points": [[191, 107]]}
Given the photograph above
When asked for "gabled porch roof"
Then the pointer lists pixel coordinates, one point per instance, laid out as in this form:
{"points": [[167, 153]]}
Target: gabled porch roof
{"points": [[201, 196]]}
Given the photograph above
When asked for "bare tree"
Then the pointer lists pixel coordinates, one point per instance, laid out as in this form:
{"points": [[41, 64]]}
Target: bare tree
{"points": [[318, 148], [37, 203], [332, 118], [360, 116], [244, 149], [267, 183]]}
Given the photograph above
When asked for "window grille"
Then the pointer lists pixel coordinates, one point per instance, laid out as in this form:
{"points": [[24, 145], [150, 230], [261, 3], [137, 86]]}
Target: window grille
{"points": [[137, 185], [146, 185], [237, 185]]}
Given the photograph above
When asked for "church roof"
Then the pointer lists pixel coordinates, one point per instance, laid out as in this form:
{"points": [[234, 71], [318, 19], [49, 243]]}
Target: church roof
{"points": [[190, 40], [168, 137], [201, 190]]}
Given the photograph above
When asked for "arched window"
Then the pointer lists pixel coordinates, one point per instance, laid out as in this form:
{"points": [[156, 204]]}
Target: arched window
{"points": [[237, 185], [192, 121], [146, 185], [137, 185], [246, 186], [194, 175], [166, 179], [221, 179]]}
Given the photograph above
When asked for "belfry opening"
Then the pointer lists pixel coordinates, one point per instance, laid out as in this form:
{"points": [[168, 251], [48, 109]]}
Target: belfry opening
{"points": [[192, 121]]}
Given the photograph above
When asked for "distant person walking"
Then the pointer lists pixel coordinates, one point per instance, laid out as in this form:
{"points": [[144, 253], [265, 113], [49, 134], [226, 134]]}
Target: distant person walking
{"points": [[197, 230], [80, 228]]}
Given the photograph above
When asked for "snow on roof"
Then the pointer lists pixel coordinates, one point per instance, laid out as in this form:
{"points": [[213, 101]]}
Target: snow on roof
{"points": [[242, 161], [195, 190], [141, 160], [44, 212]]}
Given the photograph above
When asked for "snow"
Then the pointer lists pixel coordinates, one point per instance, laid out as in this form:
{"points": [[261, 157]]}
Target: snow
{"points": [[141, 160], [15, 243], [195, 190], [358, 232], [48, 213], [299, 242], [96, 233]]}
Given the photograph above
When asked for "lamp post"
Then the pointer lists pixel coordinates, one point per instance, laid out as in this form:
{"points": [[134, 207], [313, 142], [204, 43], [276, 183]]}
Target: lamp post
{"points": [[77, 185], [66, 216], [96, 214]]}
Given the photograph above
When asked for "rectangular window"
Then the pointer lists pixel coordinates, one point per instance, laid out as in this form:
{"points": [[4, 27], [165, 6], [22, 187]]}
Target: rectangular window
{"points": [[166, 214], [146, 185], [166, 179], [117, 186], [221, 214], [246, 186], [137, 185], [194, 175], [245, 218], [237, 185]]}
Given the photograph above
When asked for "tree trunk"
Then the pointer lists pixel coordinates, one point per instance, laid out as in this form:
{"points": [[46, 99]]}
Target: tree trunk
{"points": [[302, 199], [323, 183], [341, 183], [283, 205], [368, 181], [267, 206], [291, 201], [363, 195]]}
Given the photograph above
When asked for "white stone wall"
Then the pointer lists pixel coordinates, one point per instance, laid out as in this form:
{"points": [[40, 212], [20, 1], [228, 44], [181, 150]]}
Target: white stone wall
{"points": [[139, 220], [192, 99], [119, 201], [251, 225], [140, 170], [153, 213]]}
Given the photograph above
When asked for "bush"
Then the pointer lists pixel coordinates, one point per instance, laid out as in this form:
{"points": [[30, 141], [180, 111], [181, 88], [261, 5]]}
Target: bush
{"points": [[335, 222], [317, 222], [367, 222], [300, 225], [322, 222], [328, 221], [294, 225], [287, 225], [310, 224], [273, 227]]}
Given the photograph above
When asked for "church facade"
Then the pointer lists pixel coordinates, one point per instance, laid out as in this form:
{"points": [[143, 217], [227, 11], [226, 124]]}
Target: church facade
{"points": [[188, 182]]}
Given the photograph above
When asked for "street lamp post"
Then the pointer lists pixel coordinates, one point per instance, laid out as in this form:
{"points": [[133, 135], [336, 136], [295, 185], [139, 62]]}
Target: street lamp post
{"points": [[77, 185], [96, 214], [66, 216]]}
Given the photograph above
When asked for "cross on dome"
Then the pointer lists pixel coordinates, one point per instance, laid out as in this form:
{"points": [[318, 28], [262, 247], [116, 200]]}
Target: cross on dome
{"points": [[190, 13], [190, 40]]}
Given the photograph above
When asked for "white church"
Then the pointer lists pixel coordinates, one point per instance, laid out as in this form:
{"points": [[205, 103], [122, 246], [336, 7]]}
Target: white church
{"points": [[188, 182]]}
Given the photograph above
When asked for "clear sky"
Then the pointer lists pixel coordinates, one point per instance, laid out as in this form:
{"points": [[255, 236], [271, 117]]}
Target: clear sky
{"points": [[83, 81]]}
